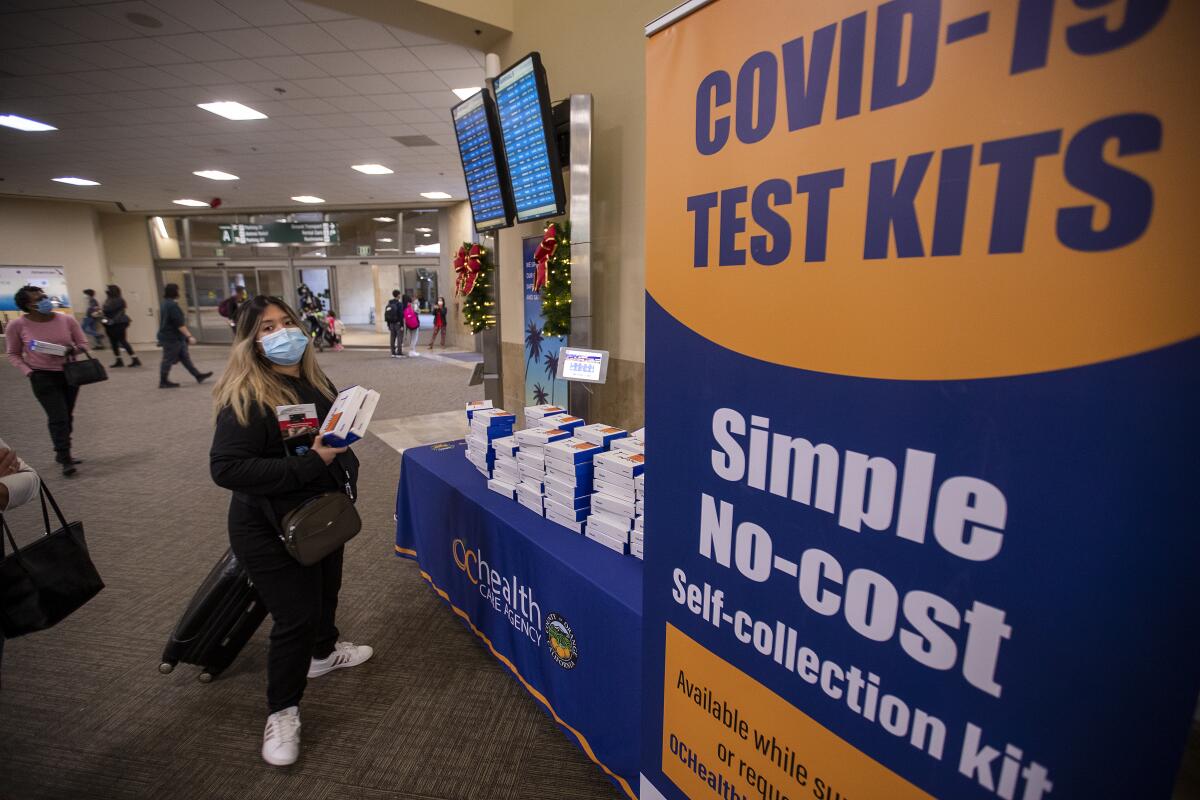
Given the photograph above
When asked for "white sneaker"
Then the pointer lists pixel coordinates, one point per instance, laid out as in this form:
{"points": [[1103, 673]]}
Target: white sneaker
{"points": [[414, 353], [281, 737], [344, 654]]}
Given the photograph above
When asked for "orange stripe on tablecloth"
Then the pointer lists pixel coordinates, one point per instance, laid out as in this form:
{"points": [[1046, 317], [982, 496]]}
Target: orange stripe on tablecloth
{"points": [[583, 742], [404, 551]]}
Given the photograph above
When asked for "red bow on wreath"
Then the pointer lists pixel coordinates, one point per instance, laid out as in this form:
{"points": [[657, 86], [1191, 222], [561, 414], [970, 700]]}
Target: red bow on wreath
{"points": [[467, 264], [543, 254]]}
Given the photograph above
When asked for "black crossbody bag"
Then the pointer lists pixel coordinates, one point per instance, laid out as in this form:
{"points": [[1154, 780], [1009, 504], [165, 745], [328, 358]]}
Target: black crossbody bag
{"points": [[319, 525]]}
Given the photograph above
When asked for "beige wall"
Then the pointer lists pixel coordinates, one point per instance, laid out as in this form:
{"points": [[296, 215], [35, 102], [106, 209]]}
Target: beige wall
{"points": [[126, 244], [596, 48], [51, 234], [454, 228]]}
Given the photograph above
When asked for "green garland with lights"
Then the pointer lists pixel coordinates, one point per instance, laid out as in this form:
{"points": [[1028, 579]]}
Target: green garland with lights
{"points": [[479, 304], [556, 294]]}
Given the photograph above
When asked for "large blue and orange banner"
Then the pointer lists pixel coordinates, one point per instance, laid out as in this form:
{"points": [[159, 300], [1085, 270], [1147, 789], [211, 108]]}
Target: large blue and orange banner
{"points": [[922, 376]]}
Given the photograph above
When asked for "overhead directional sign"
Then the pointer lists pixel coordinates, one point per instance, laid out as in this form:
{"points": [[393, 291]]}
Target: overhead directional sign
{"points": [[280, 233]]}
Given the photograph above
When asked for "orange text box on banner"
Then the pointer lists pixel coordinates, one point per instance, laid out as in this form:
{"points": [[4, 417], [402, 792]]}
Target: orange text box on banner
{"points": [[1088, 116]]}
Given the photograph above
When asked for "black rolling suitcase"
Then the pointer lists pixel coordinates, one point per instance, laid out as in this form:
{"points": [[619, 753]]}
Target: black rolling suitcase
{"points": [[222, 616]]}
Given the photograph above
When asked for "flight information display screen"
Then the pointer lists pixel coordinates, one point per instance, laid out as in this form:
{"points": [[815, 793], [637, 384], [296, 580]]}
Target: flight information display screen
{"points": [[475, 127], [523, 104]]}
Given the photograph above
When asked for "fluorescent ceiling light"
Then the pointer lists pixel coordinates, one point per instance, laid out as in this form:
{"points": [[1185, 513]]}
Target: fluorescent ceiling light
{"points": [[435, 195], [427, 235], [77, 181], [463, 94], [307, 198], [269, 244], [385, 219], [423, 230], [162, 228], [282, 219], [22, 124], [428, 249], [231, 110], [372, 169], [215, 175], [192, 203], [382, 239]]}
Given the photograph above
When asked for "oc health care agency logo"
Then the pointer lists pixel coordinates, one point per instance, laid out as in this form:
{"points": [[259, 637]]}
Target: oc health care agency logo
{"points": [[561, 641]]}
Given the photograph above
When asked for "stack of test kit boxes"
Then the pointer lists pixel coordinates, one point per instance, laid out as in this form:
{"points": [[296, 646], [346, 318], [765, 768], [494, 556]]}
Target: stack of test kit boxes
{"points": [[487, 424], [635, 444], [614, 498], [530, 457], [568, 480], [505, 475]]}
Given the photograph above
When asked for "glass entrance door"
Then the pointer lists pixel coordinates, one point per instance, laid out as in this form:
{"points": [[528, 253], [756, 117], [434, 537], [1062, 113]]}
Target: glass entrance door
{"points": [[204, 288]]}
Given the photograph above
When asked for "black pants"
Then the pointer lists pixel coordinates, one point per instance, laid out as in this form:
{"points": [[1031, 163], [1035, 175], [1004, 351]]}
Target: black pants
{"points": [[58, 399], [116, 335], [176, 352], [302, 602], [397, 337]]}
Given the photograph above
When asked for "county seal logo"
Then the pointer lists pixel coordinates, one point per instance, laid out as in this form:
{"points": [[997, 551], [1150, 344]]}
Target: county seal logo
{"points": [[561, 641]]}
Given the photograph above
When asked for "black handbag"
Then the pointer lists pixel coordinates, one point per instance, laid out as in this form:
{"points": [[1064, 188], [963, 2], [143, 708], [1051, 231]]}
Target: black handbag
{"points": [[88, 370], [44, 582], [319, 525]]}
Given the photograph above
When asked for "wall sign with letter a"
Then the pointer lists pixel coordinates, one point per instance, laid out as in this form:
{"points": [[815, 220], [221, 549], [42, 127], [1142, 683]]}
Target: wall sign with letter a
{"points": [[922, 507]]}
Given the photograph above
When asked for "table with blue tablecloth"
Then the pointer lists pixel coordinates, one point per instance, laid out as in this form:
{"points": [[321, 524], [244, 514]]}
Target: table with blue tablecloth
{"points": [[561, 612]]}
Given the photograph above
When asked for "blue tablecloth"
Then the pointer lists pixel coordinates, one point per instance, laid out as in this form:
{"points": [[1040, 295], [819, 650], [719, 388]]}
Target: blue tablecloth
{"points": [[523, 584]]}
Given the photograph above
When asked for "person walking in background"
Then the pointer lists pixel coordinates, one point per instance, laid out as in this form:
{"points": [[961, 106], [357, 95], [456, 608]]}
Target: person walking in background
{"points": [[337, 329], [393, 315], [229, 306], [412, 322], [45, 371], [439, 322], [18, 485], [91, 318], [116, 323], [174, 338], [271, 365]]}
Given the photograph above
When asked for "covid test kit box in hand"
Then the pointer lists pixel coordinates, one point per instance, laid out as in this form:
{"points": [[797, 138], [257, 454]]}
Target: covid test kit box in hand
{"points": [[349, 416]]}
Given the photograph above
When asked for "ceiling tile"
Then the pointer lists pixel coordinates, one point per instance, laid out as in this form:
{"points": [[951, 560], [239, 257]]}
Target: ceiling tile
{"points": [[39, 29], [312, 105], [199, 47], [203, 15], [369, 84], [462, 78], [198, 74], [419, 82], [360, 34], [318, 13], [243, 70], [268, 89], [119, 13], [148, 51], [445, 56], [151, 76], [408, 38], [291, 67], [100, 55], [265, 12], [322, 87], [251, 43], [117, 80], [395, 102], [341, 64], [15, 64], [392, 59], [375, 118], [438, 101], [355, 102], [304, 38], [416, 115], [51, 59]]}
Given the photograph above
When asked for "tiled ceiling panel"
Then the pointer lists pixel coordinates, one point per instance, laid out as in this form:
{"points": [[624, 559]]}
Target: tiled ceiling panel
{"points": [[121, 79]]}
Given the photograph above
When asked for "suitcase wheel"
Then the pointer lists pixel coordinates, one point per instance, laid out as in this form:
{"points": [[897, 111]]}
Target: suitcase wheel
{"points": [[205, 677], [166, 668]]}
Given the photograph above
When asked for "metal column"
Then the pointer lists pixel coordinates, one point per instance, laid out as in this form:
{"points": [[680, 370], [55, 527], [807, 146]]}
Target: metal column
{"points": [[579, 212]]}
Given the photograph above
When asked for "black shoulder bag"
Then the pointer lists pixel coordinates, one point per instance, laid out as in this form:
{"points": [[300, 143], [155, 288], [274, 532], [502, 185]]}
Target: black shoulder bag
{"points": [[319, 525], [80, 373], [44, 582]]}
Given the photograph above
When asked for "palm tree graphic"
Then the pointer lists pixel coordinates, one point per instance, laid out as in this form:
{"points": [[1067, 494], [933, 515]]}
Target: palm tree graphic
{"points": [[533, 344], [539, 394], [552, 372]]}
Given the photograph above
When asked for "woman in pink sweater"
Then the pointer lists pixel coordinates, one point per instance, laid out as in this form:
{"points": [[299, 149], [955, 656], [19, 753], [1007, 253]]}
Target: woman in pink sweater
{"points": [[45, 372]]}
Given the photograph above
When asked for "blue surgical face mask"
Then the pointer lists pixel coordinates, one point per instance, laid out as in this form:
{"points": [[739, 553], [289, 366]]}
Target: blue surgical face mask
{"points": [[285, 347], [44, 306]]}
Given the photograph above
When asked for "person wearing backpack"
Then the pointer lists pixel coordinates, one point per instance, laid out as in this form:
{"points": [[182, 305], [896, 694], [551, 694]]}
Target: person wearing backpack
{"points": [[412, 321], [229, 306], [392, 315]]}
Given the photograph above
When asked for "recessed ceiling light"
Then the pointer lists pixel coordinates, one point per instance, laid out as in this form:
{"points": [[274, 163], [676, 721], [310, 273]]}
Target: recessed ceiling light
{"points": [[463, 94], [435, 195], [382, 239], [215, 175], [372, 169], [162, 228], [385, 219], [192, 203], [77, 181], [423, 230], [269, 244], [282, 219], [427, 235], [307, 198], [231, 110], [22, 124]]}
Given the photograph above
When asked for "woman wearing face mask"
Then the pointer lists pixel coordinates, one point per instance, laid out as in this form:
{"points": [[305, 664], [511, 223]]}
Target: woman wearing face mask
{"points": [[45, 371], [271, 366]]}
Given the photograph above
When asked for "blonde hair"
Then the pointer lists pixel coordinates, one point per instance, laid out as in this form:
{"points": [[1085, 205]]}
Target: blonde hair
{"points": [[250, 381]]}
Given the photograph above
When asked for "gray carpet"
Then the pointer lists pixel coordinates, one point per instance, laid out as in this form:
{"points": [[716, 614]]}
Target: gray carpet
{"points": [[85, 713]]}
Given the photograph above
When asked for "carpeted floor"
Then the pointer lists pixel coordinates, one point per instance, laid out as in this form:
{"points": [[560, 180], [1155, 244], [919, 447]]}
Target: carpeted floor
{"points": [[85, 713]]}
